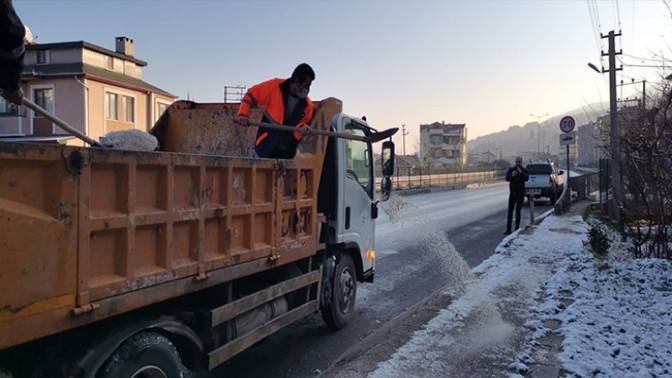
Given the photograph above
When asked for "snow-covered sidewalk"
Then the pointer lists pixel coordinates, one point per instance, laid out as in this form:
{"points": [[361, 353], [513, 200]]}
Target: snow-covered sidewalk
{"points": [[543, 286]]}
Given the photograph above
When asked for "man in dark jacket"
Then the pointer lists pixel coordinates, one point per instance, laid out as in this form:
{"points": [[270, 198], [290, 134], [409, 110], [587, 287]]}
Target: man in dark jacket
{"points": [[12, 50], [516, 176], [287, 103]]}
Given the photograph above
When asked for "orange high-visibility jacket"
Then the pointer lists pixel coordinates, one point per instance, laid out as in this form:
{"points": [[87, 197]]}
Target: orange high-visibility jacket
{"points": [[272, 94]]}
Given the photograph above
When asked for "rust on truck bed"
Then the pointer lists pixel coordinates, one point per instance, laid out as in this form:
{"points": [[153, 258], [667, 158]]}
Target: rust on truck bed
{"points": [[89, 233]]}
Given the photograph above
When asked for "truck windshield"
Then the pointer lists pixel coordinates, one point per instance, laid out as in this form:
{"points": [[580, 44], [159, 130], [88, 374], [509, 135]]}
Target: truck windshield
{"points": [[358, 159]]}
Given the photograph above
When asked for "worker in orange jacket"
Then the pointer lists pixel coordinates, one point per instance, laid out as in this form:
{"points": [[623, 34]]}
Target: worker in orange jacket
{"points": [[287, 103]]}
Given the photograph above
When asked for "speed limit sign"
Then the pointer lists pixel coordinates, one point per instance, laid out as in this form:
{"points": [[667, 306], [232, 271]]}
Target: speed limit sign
{"points": [[567, 124]]}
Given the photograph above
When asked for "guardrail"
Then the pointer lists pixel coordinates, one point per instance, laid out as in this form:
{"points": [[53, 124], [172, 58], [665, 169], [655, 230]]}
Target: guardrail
{"points": [[454, 180]]}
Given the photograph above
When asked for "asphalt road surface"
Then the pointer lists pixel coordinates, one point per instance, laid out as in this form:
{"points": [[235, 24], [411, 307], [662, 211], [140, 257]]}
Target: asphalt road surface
{"points": [[415, 236]]}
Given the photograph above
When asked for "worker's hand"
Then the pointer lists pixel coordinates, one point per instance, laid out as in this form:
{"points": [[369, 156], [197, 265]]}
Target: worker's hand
{"points": [[304, 130], [15, 97], [243, 121]]}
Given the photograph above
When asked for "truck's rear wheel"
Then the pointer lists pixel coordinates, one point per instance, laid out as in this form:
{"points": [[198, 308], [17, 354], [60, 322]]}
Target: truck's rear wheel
{"points": [[344, 294], [145, 355]]}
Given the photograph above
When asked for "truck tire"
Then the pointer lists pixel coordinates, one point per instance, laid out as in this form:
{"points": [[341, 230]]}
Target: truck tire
{"points": [[145, 355], [343, 295]]}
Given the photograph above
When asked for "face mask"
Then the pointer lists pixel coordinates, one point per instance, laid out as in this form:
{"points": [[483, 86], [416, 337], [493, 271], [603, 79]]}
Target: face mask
{"points": [[302, 93]]}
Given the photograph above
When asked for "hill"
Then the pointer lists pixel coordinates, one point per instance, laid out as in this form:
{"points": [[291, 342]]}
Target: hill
{"points": [[533, 137]]}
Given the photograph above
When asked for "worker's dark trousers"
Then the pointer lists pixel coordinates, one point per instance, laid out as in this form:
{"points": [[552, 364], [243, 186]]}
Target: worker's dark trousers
{"points": [[515, 200]]}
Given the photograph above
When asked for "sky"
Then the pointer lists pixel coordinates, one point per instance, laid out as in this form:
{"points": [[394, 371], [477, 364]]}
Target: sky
{"points": [[612, 315], [487, 64]]}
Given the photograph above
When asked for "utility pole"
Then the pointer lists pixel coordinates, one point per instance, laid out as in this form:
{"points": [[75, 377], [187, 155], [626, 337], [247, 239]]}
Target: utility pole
{"points": [[403, 136], [614, 135], [538, 117]]}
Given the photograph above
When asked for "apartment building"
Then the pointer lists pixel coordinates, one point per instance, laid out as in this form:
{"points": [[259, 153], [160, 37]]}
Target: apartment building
{"points": [[93, 89], [589, 145], [443, 144]]}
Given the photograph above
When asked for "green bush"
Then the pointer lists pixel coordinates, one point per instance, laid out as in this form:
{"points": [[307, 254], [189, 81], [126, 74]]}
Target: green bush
{"points": [[599, 241]]}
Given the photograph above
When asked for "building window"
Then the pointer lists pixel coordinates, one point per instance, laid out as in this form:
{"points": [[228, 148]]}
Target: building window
{"points": [[7, 108], [111, 106], [43, 56], [44, 97], [128, 109]]}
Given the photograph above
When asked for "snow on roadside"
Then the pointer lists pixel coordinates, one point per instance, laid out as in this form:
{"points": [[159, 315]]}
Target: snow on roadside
{"points": [[619, 320], [473, 324], [614, 314]]}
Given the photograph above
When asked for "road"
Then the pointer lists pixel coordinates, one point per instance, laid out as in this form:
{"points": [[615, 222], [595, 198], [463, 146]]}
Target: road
{"points": [[424, 243]]}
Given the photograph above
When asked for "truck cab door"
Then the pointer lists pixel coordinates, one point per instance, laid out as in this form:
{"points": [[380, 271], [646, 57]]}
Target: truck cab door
{"points": [[357, 191]]}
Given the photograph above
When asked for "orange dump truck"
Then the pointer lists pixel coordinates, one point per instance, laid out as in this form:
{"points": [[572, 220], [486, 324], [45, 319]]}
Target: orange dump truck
{"points": [[140, 264]]}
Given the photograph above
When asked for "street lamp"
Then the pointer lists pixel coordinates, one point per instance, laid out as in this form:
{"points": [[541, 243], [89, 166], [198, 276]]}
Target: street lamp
{"points": [[591, 65], [539, 131]]}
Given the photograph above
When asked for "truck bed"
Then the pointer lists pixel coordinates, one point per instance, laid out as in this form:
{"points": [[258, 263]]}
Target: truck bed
{"points": [[89, 233]]}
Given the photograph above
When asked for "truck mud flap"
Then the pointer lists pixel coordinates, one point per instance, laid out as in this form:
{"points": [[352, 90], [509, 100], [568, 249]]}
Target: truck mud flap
{"points": [[250, 302]]}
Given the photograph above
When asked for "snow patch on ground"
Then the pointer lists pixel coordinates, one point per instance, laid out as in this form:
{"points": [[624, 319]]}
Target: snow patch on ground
{"points": [[614, 314]]}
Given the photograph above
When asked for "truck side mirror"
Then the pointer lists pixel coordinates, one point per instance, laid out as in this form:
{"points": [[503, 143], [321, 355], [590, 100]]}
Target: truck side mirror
{"points": [[387, 158], [386, 187]]}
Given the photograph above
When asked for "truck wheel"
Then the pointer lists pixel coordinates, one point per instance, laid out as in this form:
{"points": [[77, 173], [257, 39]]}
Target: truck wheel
{"points": [[344, 292], [145, 355]]}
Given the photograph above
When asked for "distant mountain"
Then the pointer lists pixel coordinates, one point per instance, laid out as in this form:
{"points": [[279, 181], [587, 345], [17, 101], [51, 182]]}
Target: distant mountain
{"points": [[532, 137]]}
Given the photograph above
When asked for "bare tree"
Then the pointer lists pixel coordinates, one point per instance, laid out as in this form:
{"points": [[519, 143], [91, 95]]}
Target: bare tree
{"points": [[645, 158]]}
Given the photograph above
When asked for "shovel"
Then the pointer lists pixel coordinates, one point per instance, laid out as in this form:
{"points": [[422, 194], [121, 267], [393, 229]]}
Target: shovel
{"points": [[375, 137]]}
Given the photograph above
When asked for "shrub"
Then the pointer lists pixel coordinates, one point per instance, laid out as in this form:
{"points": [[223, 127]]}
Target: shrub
{"points": [[599, 241]]}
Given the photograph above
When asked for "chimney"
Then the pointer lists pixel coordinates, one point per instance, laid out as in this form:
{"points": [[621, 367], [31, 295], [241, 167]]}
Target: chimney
{"points": [[125, 46]]}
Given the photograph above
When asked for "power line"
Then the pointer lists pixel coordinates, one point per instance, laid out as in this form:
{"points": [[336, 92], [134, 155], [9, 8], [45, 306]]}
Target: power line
{"points": [[645, 65], [633, 25], [595, 22], [594, 13], [624, 64], [639, 58], [618, 15]]}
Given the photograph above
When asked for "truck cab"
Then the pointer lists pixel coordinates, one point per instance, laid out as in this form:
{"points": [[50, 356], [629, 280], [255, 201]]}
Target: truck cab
{"points": [[348, 197]]}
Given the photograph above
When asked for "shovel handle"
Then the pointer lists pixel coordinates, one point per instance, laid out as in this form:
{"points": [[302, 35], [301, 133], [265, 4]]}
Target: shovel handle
{"points": [[38, 109], [333, 134]]}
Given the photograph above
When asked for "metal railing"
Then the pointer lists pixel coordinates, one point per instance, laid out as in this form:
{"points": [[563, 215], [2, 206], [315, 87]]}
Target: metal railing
{"points": [[414, 178]]}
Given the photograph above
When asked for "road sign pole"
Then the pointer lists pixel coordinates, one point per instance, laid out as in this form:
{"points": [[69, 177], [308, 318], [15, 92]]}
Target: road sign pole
{"points": [[569, 190], [567, 124]]}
